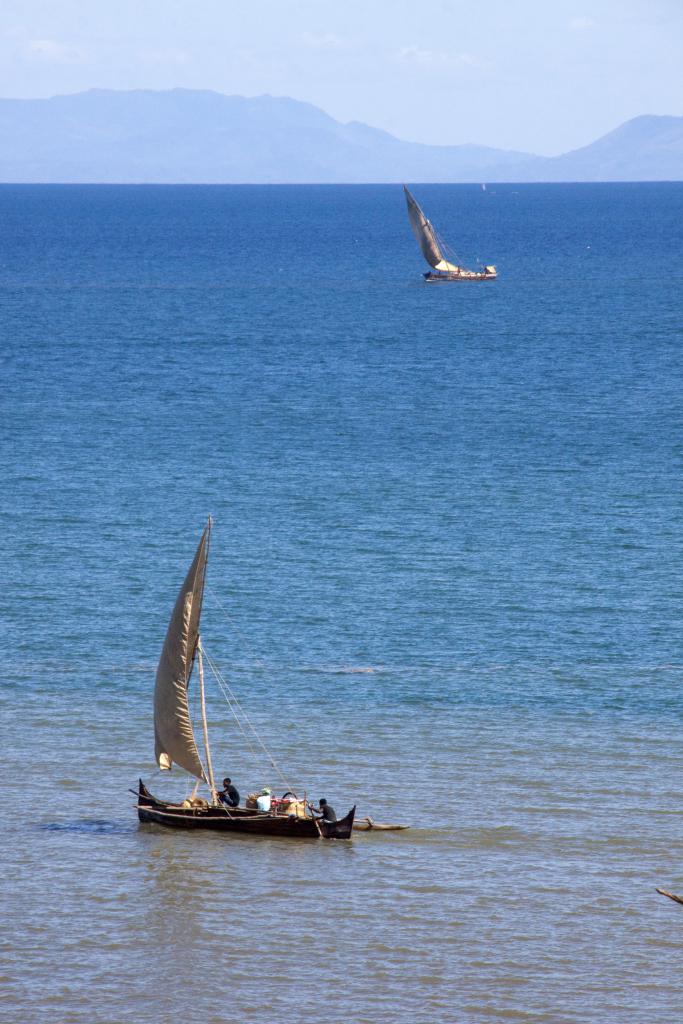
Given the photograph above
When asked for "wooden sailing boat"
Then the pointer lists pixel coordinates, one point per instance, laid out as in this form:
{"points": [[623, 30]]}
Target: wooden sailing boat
{"points": [[433, 250], [174, 740]]}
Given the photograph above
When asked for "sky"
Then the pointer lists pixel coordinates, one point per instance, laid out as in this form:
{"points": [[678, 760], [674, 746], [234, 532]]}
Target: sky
{"points": [[541, 76]]}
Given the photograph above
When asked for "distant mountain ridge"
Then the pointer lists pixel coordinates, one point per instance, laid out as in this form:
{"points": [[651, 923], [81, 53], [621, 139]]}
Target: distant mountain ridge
{"points": [[197, 136]]}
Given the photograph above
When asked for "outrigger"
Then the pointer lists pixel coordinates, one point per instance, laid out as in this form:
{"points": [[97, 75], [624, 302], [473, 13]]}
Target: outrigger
{"points": [[175, 742], [434, 250]]}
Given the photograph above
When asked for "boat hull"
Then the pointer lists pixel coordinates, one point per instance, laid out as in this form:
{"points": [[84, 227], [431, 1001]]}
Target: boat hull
{"points": [[468, 276], [238, 819]]}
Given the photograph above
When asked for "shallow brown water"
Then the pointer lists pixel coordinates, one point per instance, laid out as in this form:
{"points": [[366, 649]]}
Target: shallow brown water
{"points": [[524, 890]]}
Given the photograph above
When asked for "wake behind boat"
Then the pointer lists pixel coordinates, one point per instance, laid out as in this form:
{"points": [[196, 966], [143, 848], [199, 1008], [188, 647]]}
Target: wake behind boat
{"points": [[435, 250], [174, 739]]}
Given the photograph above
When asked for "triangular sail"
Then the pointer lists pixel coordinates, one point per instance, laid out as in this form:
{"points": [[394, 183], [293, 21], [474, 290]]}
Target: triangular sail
{"points": [[426, 236], [173, 736]]}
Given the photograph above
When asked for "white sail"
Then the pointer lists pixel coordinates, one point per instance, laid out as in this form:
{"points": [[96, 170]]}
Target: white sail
{"points": [[426, 236], [173, 735]]}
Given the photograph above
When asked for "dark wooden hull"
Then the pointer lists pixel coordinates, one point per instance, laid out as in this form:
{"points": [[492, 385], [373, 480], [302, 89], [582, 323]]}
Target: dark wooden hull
{"points": [[467, 276], [238, 819], [341, 829]]}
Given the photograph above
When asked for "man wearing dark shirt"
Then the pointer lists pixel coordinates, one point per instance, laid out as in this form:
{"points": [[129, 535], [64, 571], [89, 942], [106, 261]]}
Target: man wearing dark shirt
{"points": [[229, 795], [327, 813]]}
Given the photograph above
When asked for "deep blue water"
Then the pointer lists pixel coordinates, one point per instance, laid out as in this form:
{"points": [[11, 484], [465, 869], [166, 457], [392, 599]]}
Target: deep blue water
{"points": [[470, 492]]}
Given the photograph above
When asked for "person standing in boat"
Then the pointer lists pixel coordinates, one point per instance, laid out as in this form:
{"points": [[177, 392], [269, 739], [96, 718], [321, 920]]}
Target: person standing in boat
{"points": [[326, 812], [229, 794]]}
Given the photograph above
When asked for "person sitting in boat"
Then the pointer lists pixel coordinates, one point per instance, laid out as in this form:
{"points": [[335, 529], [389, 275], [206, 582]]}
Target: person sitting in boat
{"points": [[229, 794], [326, 812], [263, 800]]}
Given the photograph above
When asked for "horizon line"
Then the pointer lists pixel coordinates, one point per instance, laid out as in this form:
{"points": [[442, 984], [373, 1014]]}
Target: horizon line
{"points": [[331, 184]]}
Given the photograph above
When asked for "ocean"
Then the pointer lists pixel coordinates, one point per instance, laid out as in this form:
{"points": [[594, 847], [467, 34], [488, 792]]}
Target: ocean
{"points": [[445, 582]]}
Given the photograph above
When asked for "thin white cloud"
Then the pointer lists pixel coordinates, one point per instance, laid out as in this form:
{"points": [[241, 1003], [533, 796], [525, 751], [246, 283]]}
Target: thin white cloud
{"points": [[440, 58], [416, 55], [471, 60], [51, 51], [323, 41], [579, 24]]}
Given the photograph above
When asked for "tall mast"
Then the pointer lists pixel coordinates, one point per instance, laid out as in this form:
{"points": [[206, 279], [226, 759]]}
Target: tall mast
{"points": [[205, 726]]}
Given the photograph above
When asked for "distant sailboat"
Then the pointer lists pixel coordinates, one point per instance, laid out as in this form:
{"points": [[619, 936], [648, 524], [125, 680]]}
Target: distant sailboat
{"points": [[433, 249], [174, 739]]}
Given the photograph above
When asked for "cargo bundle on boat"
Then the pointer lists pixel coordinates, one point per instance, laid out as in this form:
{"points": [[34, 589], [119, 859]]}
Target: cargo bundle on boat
{"points": [[437, 253]]}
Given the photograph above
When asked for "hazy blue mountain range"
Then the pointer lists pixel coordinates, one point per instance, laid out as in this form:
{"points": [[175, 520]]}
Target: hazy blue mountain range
{"points": [[185, 135]]}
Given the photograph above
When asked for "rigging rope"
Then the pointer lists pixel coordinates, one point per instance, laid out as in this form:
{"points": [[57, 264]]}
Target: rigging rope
{"points": [[216, 673], [448, 252], [234, 705]]}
